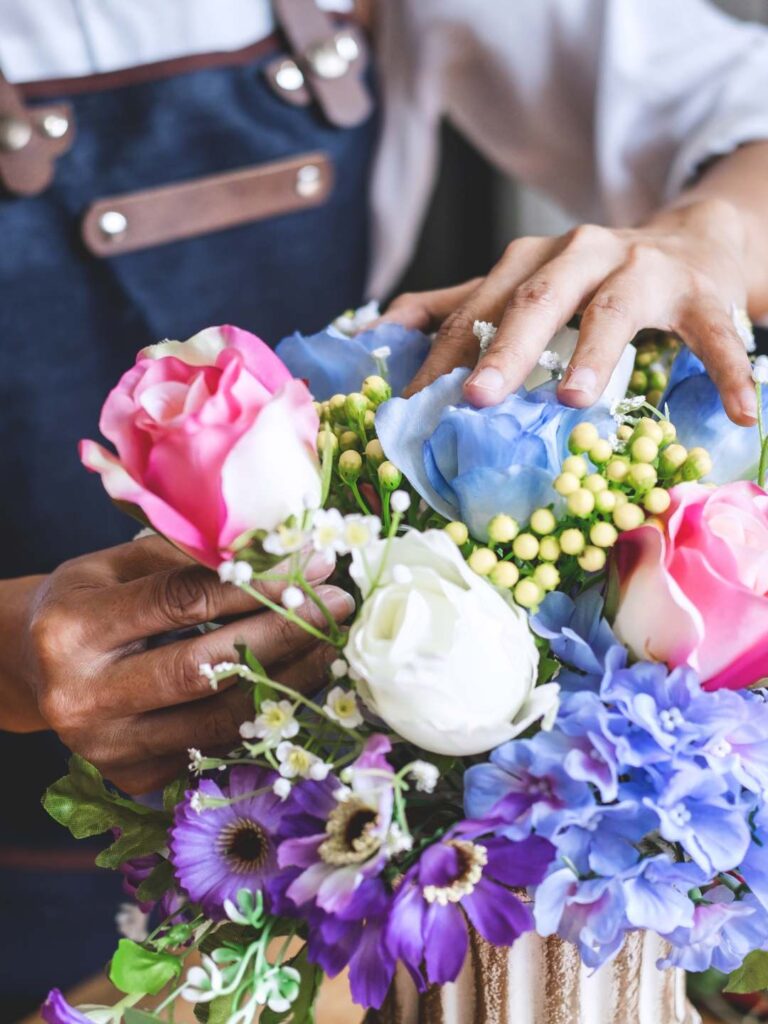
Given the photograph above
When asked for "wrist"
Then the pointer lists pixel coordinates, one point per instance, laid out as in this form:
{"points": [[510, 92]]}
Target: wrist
{"points": [[18, 702]]}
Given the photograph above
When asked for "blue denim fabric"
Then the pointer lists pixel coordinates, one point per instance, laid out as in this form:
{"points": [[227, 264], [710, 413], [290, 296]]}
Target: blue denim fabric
{"points": [[70, 325]]}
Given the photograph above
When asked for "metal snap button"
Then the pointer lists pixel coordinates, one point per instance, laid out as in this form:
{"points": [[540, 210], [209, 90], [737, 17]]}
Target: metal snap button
{"points": [[113, 224], [347, 46], [289, 77], [55, 126], [326, 61], [308, 180], [15, 134]]}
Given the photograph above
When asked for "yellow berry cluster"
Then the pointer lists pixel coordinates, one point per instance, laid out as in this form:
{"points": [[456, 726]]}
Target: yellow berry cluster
{"points": [[604, 491], [656, 351], [348, 429]]}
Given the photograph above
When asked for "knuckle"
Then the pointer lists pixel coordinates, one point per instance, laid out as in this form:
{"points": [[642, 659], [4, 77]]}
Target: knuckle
{"points": [[59, 709], [183, 671], [218, 729], [588, 236], [607, 304], [185, 596], [457, 328], [646, 257], [520, 247], [538, 292]]}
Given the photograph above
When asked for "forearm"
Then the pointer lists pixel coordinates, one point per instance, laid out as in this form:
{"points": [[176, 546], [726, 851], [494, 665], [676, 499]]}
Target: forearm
{"points": [[18, 705], [740, 182]]}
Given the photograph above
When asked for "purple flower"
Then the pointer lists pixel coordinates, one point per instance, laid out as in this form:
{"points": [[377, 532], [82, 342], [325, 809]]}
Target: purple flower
{"points": [[217, 852], [588, 912], [724, 930], [135, 872], [464, 875], [578, 635], [56, 1010], [346, 836]]}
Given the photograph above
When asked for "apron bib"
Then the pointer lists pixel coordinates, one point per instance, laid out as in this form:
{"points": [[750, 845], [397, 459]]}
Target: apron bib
{"points": [[227, 188]]}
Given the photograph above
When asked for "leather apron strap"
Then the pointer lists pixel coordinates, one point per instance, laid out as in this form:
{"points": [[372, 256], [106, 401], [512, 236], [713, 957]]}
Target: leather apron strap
{"points": [[30, 141]]}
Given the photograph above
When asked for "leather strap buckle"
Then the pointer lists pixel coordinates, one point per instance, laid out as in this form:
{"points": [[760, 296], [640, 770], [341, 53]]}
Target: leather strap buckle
{"points": [[31, 139]]}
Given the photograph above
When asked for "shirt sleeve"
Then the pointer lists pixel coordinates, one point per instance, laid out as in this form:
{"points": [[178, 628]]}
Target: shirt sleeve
{"points": [[609, 106]]}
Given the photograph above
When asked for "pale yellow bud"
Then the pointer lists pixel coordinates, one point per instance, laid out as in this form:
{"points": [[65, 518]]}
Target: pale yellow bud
{"points": [[374, 452], [525, 547], [337, 407], [350, 464], [668, 431], [566, 484], [581, 503], [327, 439], [549, 549], [376, 389], [349, 440], [543, 521], [593, 559], [576, 465], [583, 437], [646, 356], [648, 427], [657, 501], [672, 458], [369, 420], [600, 452], [697, 465], [642, 476], [595, 483], [621, 498], [458, 532], [629, 516], [616, 470], [355, 405], [572, 541], [505, 574], [390, 476], [546, 576], [603, 535], [605, 501], [638, 382], [503, 529], [528, 594], [643, 449], [482, 561], [624, 432]]}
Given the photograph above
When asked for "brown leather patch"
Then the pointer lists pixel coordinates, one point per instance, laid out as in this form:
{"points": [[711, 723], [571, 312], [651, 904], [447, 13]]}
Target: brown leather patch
{"points": [[30, 141], [139, 220]]}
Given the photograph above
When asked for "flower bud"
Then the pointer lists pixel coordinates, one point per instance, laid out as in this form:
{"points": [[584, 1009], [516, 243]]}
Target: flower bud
{"points": [[458, 532], [647, 355], [648, 427], [505, 574], [572, 541], [349, 440], [502, 529], [605, 501], [654, 397], [583, 437], [525, 546], [657, 501], [629, 516], [549, 549], [697, 465], [576, 465], [638, 382], [672, 458], [543, 521], [621, 498], [350, 465], [566, 484], [355, 406], [643, 449], [668, 431], [327, 438], [600, 452], [658, 380], [376, 389], [593, 559], [374, 452], [616, 470], [595, 483], [581, 503], [603, 535], [528, 594], [369, 420], [547, 576], [624, 432], [642, 476], [482, 561], [337, 408], [390, 476]]}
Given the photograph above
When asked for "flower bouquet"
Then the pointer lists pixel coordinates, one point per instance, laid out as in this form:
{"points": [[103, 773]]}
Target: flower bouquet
{"points": [[544, 719]]}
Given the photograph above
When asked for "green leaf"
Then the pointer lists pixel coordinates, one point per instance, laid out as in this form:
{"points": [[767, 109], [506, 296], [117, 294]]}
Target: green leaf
{"points": [[83, 804], [752, 976], [135, 970], [173, 793], [201, 1012], [157, 884], [221, 1009], [134, 1016]]}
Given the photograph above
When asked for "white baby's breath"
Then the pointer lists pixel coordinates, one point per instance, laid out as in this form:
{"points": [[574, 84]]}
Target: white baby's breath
{"points": [[485, 332], [237, 573], [424, 775], [276, 721], [400, 501], [292, 598], [341, 706], [296, 762], [760, 370], [360, 531]]}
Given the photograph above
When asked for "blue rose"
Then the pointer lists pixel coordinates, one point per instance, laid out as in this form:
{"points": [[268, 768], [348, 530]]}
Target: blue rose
{"points": [[472, 464], [697, 411], [333, 363]]}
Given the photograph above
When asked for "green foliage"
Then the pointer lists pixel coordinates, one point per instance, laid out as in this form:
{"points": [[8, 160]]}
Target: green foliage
{"points": [[303, 1009], [173, 793], [157, 884], [135, 970], [134, 1016], [752, 976], [83, 804]]}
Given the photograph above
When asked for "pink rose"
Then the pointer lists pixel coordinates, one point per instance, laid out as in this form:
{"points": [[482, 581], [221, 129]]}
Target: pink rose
{"points": [[696, 592], [214, 439]]}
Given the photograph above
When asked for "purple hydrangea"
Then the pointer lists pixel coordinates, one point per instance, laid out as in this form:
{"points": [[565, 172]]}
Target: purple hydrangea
{"points": [[723, 931]]}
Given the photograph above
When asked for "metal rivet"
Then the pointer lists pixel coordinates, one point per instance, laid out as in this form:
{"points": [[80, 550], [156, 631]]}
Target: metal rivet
{"points": [[326, 61], [15, 134], [55, 126], [113, 224], [308, 180], [347, 46], [289, 77]]}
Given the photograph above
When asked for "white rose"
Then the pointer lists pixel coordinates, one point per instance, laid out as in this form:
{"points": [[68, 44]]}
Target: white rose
{"points": [[439, 654]]}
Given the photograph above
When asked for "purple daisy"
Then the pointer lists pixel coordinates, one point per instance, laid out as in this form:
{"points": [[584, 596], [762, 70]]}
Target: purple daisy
{"points": [[464, 875], [217, 852], [342, 841], [56, 1010]]}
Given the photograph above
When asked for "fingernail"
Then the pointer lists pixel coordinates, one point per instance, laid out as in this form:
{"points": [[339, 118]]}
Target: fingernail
{"points": [[580, 378], [319, 566], [487, 379], [338, 601], [748, 403]]}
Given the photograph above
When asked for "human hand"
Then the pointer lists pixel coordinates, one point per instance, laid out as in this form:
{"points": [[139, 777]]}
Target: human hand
{"points": [[683, 272], [133, 711]]}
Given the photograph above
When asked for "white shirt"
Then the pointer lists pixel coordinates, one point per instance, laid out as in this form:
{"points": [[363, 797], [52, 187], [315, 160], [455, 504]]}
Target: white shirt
{"points": [[609, 106]]}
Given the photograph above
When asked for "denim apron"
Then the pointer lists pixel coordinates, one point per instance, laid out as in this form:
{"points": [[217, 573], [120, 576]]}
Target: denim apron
{"points": [[71, 322]]}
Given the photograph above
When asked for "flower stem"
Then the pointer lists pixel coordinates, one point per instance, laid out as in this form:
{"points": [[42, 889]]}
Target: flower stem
{"points": [[287, 614]]}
